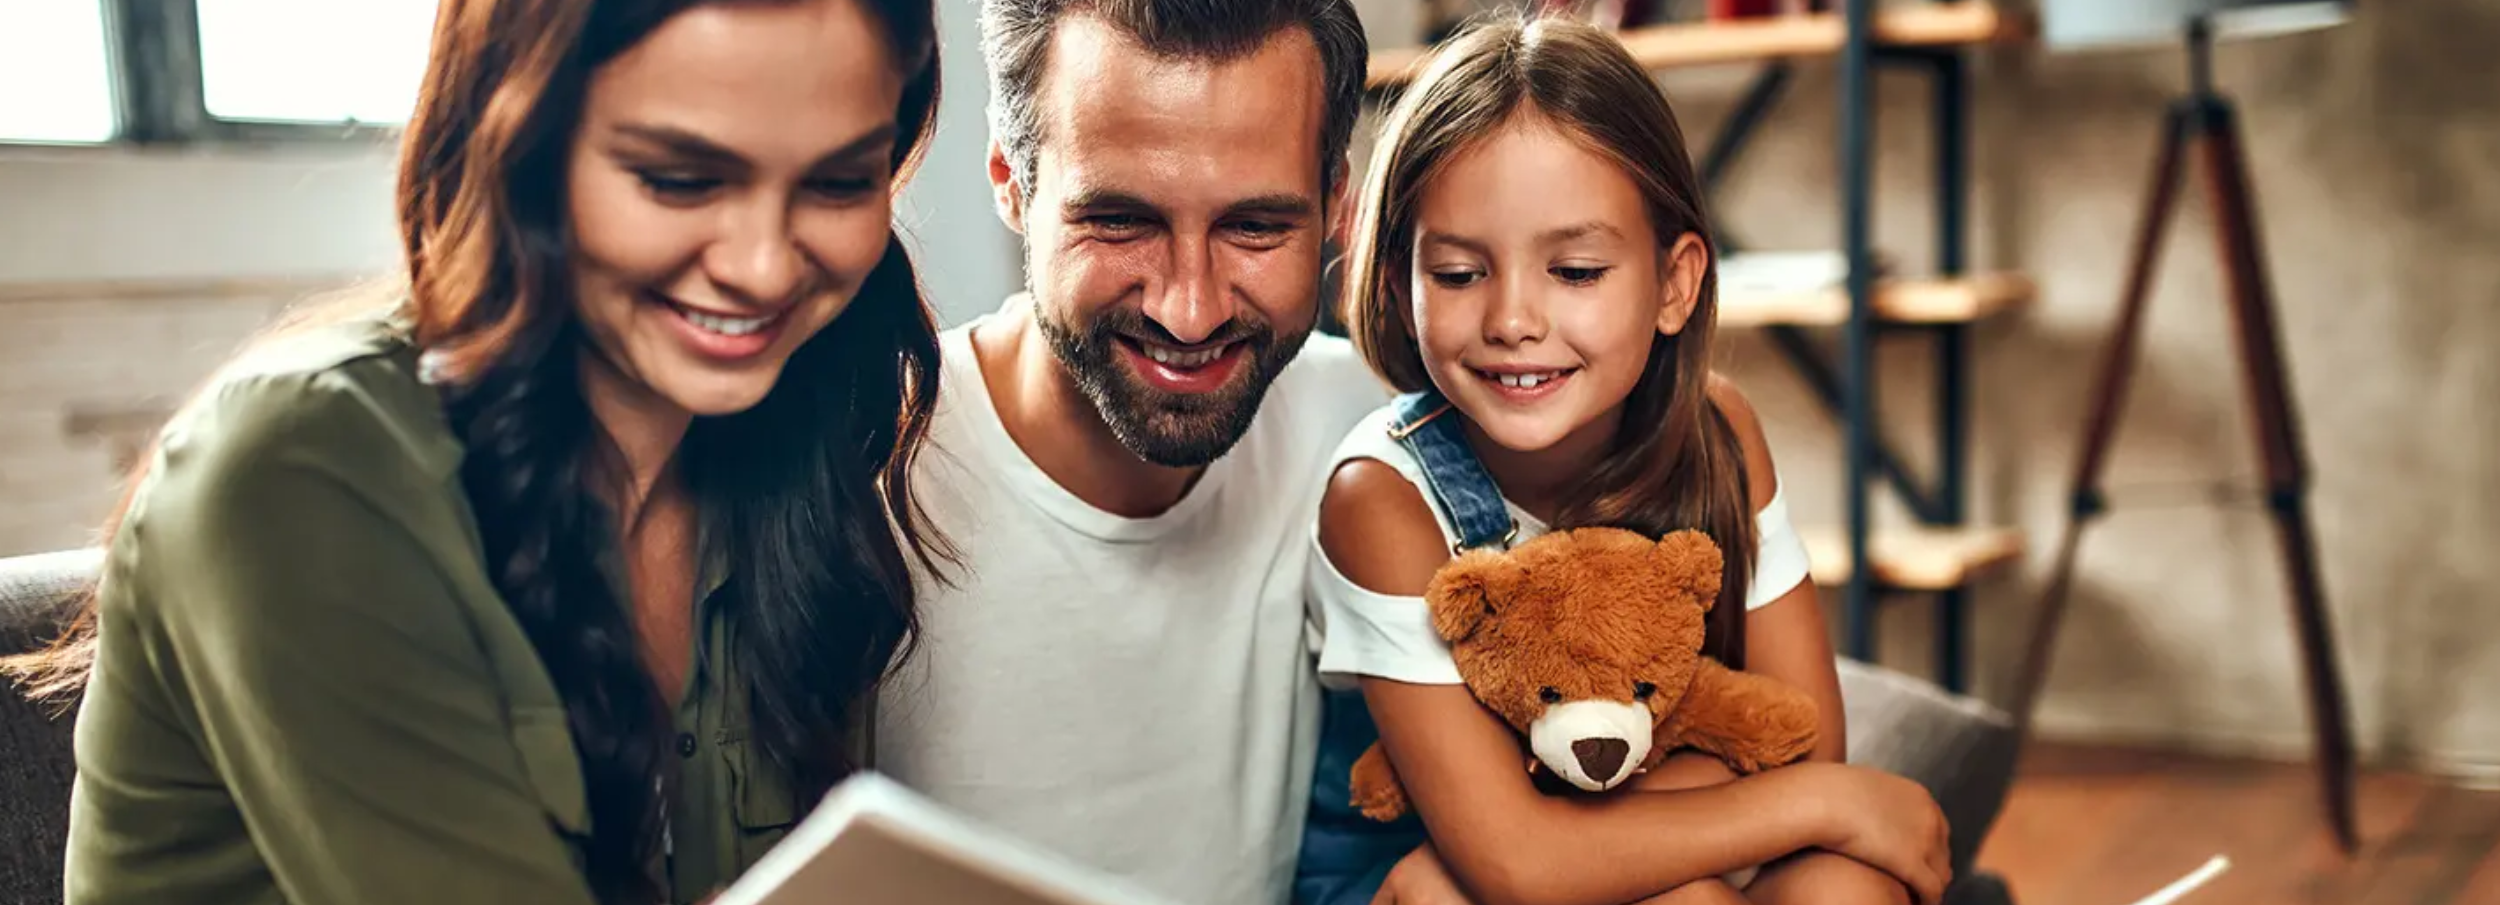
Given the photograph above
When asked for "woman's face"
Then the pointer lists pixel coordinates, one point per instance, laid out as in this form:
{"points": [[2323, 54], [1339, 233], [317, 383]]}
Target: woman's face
{"points": [[729, 189]]}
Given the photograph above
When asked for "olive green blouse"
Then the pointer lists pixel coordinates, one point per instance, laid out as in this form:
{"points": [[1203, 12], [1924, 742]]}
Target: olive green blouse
{"points": [[308, 690]]}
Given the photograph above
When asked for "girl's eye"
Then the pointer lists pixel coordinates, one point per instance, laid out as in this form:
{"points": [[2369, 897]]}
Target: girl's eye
{"points": [[1578, 276], [1455, 279]]}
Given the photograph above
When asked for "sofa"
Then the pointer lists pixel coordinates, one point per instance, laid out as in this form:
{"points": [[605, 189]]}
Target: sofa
{"points": [[1960, 749]]}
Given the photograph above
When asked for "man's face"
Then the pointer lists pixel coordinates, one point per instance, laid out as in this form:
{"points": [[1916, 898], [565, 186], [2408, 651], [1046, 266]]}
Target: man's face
{"points": [[1173, 231]]}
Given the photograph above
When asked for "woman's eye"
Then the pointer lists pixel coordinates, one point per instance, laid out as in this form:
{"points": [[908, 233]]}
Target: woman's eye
{"points": [[676, 186], [841, 188], [1455, 279], [1578, 276]]}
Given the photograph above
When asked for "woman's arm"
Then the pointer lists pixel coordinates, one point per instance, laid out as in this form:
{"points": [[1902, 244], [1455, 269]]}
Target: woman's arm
{"points": [[1509, 843], [1787, 638], [332, 680]]}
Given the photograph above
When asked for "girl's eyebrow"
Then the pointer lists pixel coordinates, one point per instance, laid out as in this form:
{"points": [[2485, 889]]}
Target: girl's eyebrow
{"points": [[1580, 230], [1463, 243]]}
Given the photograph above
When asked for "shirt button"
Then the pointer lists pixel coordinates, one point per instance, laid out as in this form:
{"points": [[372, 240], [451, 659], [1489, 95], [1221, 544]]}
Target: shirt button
{"points": [[685, 744]]}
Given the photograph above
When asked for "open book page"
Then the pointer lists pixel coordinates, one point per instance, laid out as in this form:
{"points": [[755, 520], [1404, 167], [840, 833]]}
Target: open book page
{"points": [[874, 842]]}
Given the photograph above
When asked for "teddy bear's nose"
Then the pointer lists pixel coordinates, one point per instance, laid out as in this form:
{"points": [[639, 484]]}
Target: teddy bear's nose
{"points": [[1600, 757]]}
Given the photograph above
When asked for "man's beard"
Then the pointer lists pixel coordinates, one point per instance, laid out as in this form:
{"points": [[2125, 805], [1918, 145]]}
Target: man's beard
{"points": [[1165, 428]]}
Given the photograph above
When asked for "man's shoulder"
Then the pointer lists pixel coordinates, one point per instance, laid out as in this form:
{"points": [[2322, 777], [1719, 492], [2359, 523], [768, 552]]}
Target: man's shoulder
{"points": [[1330, 368], [1327, 388]]}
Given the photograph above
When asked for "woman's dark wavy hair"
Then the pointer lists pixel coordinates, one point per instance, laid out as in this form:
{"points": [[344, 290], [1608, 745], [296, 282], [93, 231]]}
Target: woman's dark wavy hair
{"points": [[804, 498]]}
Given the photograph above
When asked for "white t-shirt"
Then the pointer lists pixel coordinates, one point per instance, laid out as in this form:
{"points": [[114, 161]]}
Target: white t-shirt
{"points": [[1391, 637], [1133, 693]]}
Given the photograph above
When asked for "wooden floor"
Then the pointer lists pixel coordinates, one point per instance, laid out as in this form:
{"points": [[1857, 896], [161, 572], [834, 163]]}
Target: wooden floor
{"points": [[2108, 827]]}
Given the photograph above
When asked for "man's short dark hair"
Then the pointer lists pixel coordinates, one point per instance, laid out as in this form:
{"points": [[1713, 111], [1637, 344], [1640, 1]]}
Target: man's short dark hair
{"points": [[1015, 39]]}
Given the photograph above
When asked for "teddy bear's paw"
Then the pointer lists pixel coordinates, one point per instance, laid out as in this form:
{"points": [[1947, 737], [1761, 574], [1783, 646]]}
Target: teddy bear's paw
{"points": [[1385, 805]]}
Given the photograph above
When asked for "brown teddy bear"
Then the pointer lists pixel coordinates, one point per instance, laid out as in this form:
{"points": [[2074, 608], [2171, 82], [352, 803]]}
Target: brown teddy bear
{"points": [[1588, 642]]}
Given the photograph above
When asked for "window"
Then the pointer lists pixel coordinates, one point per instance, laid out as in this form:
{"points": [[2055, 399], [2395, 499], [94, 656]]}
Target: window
{"points": [[312, 61], [56, 78]]}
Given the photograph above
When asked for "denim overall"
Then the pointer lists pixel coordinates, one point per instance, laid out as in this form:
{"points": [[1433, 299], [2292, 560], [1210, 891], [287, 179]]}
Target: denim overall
{"points": [[1345, 855]]}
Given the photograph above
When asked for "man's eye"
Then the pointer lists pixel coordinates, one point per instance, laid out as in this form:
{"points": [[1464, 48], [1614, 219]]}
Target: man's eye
{"points": [[1117, 223]]}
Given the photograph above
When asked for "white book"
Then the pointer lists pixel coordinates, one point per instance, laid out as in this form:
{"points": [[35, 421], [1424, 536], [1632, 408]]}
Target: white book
{"points": [[874, 842]]}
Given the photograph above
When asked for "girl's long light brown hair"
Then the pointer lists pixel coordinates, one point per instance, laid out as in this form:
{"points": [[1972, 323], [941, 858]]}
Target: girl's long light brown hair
{"points": [[1676, 461], [807, 494]]}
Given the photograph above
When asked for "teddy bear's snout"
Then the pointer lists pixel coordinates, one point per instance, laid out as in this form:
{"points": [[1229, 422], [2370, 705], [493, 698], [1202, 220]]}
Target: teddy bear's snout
{"points": [[1592, 744], [1600, 756]]}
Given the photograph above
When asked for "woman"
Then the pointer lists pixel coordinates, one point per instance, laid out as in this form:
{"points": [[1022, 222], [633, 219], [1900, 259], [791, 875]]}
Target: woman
{"points": [[563, 574]]}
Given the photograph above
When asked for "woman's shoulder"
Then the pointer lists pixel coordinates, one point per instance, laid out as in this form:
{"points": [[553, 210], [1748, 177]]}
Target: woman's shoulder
{"points": [[344, 396]]}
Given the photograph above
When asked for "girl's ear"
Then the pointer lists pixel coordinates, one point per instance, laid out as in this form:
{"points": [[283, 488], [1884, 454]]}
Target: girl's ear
{"points": [[1685, 264]]}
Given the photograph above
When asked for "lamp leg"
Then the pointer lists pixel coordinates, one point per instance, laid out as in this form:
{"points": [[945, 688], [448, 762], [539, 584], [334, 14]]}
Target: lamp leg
{"points": [[2277, 426], [2109, 393]]}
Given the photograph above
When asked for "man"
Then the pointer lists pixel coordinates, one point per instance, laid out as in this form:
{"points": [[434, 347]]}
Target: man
{"points": [[1129, 455]]}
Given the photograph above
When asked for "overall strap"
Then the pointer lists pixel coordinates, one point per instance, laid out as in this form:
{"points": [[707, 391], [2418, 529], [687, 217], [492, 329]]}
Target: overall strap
{"points": [[1456, 479]]}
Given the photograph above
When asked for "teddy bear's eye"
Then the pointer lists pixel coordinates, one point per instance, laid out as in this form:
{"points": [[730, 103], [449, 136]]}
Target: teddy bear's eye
{"points": [[1549, 695], [1642, 690]]}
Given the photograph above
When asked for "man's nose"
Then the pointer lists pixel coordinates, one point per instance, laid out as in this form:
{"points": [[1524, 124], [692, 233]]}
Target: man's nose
{"points": [[1193, 302], [756, 256]]}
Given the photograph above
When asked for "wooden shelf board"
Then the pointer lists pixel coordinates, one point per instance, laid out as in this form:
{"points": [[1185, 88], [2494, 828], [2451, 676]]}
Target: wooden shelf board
{"points": [[1905, 301], [1916, 559], [1778, 37]]}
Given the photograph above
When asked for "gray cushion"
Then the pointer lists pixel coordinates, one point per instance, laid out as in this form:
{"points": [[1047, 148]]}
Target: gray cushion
{"points": [[1960, 748], [37, 593]]}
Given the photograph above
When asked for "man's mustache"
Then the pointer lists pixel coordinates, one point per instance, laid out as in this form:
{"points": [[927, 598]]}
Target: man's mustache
{"points": [[1137, 326]]}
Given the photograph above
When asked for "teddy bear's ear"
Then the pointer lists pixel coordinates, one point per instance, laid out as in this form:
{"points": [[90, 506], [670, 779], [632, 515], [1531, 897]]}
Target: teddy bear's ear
{"points": [[1691, 562], [1469, 591]]}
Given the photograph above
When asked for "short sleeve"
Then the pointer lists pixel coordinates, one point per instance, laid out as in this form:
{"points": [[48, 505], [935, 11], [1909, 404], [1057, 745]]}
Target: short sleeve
{"points": [[1780, 562], [1364, 633]]}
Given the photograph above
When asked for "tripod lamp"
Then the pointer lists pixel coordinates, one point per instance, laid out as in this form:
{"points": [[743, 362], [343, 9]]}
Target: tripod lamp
{"points": [[2203, 122]]}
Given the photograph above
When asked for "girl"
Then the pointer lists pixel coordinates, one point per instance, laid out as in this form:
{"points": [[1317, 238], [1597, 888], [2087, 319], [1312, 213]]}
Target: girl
{"points": [[1533, 270], [560, 574]]}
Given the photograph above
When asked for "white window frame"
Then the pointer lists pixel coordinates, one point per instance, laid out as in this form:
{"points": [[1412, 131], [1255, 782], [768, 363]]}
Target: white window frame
{"points": [[153, 51]]}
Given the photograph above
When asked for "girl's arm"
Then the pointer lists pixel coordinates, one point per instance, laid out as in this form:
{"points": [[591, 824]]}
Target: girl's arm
{"points": [[1787, 638], [1510, 844]]}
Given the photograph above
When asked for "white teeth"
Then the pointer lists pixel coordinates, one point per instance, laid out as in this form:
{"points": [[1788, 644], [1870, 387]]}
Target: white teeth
{"points": [[1525, 381], [1180, 359], [725, 326]]}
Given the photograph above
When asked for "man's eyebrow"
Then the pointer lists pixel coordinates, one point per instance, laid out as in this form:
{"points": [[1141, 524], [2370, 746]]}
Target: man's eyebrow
{"points": [[1101, 199], [1277, 205]]}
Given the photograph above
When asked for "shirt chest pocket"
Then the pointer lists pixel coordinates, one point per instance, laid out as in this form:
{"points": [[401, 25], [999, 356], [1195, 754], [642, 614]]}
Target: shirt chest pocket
{"points": [[554, 769], [760, 799]]}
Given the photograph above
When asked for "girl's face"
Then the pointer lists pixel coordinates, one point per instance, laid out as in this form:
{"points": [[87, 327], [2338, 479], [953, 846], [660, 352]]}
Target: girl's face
{"points": [[729, 190], [1539, 287]]}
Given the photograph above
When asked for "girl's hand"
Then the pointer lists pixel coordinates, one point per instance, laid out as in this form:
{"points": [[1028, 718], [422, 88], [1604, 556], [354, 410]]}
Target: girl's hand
{"points": [[1418, 879], [1886, 821]]}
